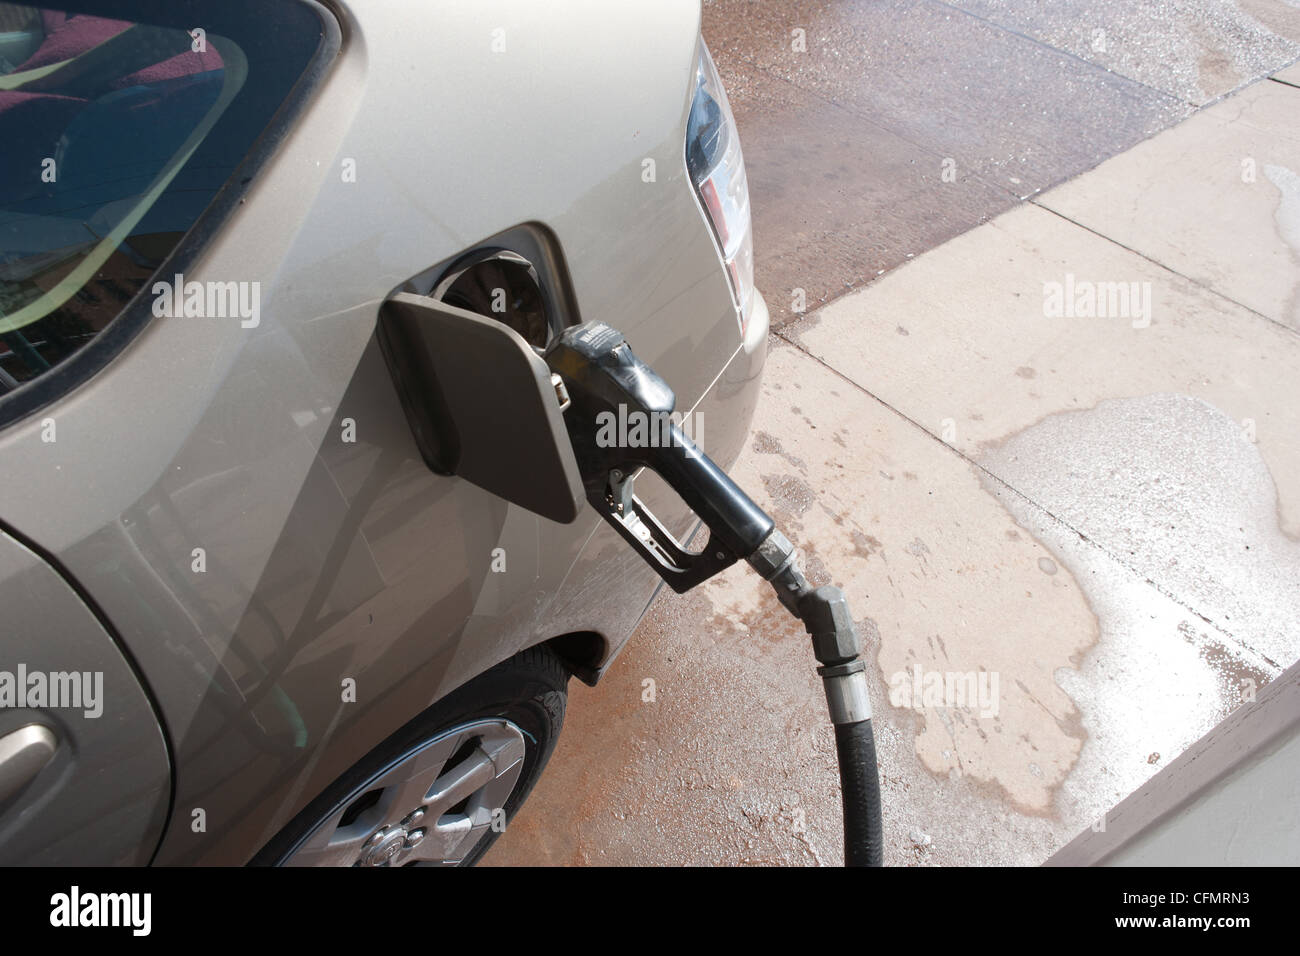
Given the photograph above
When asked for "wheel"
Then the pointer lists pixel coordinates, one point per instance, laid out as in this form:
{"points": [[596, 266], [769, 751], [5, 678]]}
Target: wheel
{"points": [[440, 790]]}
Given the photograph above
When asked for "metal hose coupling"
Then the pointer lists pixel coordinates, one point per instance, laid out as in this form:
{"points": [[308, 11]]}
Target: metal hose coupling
{"points": [[826, 618], [825, 615], [774, 560]]}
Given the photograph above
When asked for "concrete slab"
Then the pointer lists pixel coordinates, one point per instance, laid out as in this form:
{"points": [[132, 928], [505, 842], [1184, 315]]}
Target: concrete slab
{"points": [[958, 341], [1216, 199], [1016, 112], [1196, 50]]}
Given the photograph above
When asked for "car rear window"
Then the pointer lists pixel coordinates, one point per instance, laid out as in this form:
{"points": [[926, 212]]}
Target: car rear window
{"points": [[122, 124]]}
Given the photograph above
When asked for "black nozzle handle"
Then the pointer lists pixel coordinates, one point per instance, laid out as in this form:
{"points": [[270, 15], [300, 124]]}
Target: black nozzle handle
{"points": [[734, 521], [604, 377], [737, 527]]}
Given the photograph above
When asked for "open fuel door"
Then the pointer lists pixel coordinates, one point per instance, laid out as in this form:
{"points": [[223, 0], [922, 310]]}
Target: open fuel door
{"points": [[482, 404]]}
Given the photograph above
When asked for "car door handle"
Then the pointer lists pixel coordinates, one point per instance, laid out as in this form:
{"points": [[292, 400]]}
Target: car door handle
{"points": [[23, 754]]}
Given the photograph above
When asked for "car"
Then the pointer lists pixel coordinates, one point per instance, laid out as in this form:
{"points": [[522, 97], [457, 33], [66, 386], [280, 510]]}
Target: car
{"points": [[247, 618]]}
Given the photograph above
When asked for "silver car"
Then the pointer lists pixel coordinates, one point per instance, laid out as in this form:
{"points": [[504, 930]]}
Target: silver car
{"points": [[245, 617]]}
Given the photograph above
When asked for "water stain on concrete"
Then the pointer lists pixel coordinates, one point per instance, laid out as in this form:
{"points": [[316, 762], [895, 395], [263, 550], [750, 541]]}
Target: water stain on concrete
{"points": [[1280, 16], [1171, 487], [1287, 218], [1167, 518]]}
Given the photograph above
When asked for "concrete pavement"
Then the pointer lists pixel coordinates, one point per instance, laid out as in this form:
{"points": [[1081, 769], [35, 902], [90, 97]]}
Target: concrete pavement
{"points": [[1055, 464], [874, 131]]}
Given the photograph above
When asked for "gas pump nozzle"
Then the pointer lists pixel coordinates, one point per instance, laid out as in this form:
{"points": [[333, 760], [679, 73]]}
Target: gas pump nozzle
{"points": [[606, 382], [600, 379]]}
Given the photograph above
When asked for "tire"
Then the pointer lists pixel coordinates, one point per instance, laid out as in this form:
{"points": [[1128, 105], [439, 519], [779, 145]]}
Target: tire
{"points": [[517, 704]]}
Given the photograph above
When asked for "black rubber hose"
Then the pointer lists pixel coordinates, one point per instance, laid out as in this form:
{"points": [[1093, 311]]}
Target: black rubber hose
{"points": [[855, 745]]}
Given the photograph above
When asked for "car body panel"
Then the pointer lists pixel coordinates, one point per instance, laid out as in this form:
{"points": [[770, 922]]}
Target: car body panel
{"points": [[344, 586], [102, 798]]}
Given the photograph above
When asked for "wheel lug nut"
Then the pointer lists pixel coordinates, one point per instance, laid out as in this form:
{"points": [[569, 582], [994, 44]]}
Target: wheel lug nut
{"points": [[413, 818], [377, 837], [414, 837]]}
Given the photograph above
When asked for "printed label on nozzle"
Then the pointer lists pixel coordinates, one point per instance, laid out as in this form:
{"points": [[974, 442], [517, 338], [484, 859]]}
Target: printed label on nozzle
{"points": [[599, 338]]}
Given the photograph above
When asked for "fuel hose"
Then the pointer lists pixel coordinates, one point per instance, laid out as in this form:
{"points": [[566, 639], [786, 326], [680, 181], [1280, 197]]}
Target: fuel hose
{"points": [[603, 379]]}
